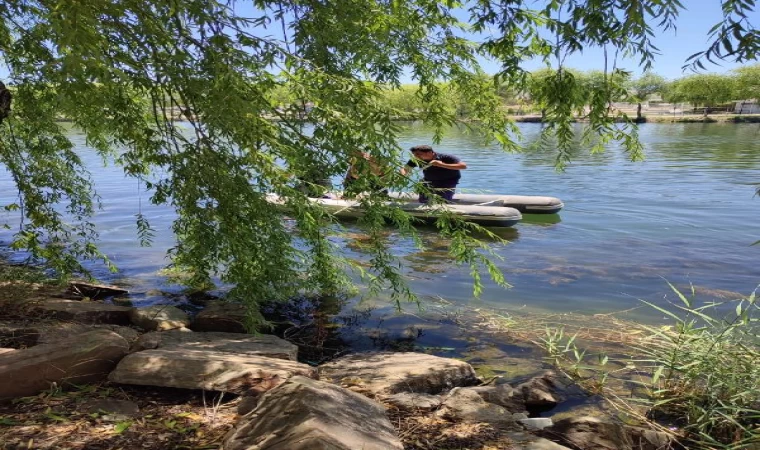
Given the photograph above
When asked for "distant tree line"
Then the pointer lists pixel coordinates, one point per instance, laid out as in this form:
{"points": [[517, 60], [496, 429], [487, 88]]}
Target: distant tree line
{"points": [[700, 90]]}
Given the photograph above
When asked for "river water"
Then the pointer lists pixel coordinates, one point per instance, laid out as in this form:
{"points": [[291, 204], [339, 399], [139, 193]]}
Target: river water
{"points": [[688, 214]]}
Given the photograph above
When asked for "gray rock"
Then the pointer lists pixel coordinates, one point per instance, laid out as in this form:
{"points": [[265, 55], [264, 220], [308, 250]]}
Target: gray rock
{"points": [[84, 312], [542, 391], [247, 404], [590, 432], [390, 373], [527, 441], [503, 395], [413, 401], [208, 370], [159, 317], [465, 404], [82, 358], [54, 332], [644, 439], [223, 316], [113, 410], [536, 423], [304, 414], [234, 343]]}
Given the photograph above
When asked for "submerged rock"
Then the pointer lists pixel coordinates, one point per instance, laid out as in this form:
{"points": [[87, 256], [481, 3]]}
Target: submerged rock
{"points": [[304, 414], [391, 373], [81, 358]]}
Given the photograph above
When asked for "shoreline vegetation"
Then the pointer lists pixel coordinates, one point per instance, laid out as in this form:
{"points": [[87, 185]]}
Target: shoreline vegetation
{"points": [[700, 98]]}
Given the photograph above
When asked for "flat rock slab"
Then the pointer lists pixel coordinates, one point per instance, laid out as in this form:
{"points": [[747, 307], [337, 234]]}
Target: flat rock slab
{"points": [[304, 414], [54, 332], [215, 342], [223, 316], [390, 373], [82, 358], [201, 369], [159, 317], [84, 312]]}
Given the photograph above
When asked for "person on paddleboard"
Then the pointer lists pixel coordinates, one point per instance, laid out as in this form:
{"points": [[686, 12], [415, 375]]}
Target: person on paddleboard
{"points": [[440, 172]]}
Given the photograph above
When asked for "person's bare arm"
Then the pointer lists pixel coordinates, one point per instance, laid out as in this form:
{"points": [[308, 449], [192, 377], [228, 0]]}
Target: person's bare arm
{"points": [[461, 165]]}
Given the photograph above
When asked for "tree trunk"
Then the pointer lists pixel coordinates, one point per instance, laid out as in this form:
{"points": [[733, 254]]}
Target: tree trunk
{"points": [[638, 112]]}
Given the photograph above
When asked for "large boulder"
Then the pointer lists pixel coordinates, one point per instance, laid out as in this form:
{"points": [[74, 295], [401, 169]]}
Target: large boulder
{"points": [[234, 343], [84, 312], [219, 315], [304, 414], [159, 317], [81, 358], [466, 405], [590, 432], [207, 370], [389, 373]]}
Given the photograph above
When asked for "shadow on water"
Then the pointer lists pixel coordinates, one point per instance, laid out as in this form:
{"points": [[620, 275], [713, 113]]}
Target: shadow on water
{"points": [[325, 328]]}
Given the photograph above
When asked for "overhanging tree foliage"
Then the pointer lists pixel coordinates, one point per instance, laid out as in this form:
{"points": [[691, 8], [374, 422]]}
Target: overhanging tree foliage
{"points": [[115, 68]]}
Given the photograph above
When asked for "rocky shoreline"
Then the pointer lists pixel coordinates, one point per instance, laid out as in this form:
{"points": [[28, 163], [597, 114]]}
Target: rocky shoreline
{"points": [[282, 403]]}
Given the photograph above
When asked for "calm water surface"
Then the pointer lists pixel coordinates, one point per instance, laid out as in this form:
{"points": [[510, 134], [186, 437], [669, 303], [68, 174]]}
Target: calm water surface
{"points": [[686, 214]]}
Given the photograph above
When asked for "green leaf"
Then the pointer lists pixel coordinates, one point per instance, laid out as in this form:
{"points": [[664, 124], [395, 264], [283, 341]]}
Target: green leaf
{"points": [[121, 427]]}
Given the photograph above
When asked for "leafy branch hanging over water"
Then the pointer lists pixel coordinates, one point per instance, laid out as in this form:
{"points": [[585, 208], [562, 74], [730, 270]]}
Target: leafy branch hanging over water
{"points": [[115, 68]]}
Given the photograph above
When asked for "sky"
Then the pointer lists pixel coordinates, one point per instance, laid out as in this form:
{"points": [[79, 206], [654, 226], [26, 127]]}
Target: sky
{"points": [[690, 37]]}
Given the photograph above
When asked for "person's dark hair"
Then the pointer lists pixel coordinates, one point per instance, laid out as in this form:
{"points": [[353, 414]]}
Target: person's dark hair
{"points": [[422, 148]]}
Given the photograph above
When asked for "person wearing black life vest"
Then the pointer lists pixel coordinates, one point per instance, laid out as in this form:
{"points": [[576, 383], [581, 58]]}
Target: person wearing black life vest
{"points": [[440, 171]]}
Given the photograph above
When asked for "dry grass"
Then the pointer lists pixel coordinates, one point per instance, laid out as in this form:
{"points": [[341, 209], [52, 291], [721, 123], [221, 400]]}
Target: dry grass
{"points": [[424, 431], [168, 419]]}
